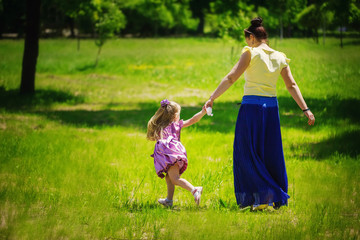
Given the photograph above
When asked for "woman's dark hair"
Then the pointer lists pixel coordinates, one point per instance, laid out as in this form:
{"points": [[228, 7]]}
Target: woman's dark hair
{"points": [[256, 29]]}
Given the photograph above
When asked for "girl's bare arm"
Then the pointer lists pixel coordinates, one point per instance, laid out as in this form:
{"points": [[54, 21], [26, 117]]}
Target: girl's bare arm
{"points": [[195, 118]]}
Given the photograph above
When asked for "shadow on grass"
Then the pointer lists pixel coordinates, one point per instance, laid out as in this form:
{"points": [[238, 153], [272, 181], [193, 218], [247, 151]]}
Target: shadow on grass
{"points": [[353, 42], [11, 99], [231, 206], [342, 144], [85, 67], [329, 112], [333, 112]]}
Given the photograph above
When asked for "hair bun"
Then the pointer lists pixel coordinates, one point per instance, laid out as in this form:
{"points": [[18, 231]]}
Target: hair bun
{"points": [[256, 22]]}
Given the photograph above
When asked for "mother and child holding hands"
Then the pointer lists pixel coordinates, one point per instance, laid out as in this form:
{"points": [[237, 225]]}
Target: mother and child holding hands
{"points": [[260, 178]]}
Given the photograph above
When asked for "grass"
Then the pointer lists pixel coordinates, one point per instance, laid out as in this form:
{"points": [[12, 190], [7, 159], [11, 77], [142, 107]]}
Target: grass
{"points": [[75, 163]]}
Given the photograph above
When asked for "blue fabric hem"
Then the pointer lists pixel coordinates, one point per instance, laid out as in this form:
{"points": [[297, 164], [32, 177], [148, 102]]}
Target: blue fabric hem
{"points": [[248, 199]]}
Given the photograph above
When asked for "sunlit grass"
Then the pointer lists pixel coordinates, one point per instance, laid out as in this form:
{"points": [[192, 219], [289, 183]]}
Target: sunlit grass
{"points": [[74, 161]]}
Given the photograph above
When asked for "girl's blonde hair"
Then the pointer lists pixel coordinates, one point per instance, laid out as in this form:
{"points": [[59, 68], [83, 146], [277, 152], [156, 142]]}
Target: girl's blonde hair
{"points": [[162, 118]]}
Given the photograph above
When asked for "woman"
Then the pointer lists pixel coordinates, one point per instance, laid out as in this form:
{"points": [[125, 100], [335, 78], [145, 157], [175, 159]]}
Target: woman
{"points": [[260, 177]]}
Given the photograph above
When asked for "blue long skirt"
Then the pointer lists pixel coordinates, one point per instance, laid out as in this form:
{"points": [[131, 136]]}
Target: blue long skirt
{"points": [[259, 167]]}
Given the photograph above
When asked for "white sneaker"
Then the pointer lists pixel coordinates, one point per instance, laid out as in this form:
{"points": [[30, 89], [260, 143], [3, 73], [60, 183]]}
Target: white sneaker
{"points": [[197, 194], [166, 202]]}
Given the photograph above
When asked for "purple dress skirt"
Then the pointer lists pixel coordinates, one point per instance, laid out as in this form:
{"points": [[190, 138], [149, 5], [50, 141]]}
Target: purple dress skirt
{"points": [[169, 150]]}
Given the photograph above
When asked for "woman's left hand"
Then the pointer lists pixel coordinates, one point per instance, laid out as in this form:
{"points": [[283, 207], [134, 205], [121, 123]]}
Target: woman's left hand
{"points": [[310, 116]]}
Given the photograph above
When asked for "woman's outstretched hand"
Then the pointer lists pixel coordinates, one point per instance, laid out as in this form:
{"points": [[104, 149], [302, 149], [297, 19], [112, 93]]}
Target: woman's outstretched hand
{"points": [[310, 116], [209, 103]]}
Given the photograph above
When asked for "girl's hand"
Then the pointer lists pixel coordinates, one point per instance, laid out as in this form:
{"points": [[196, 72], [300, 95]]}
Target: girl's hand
{"points": [[310, 116], [203, 110]]}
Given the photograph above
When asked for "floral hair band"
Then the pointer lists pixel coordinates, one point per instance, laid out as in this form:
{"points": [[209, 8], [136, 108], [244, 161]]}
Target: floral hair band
{"points": [[164, 103]]}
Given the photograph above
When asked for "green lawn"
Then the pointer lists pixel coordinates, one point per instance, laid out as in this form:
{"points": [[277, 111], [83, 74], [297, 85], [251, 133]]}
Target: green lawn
{"points": [[75, 162]]}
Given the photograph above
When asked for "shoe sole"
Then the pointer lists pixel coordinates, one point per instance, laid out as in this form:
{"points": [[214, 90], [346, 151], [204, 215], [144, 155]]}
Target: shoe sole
{"points": [[165, 205], [198, 200], [260, 208]]}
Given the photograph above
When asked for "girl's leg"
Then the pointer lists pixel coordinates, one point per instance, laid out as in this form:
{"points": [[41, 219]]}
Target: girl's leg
{"points": [[170, 188], [174, 176]]}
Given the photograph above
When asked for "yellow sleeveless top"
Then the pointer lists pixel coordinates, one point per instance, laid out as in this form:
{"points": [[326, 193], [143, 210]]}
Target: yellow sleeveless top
{"points": [[263, 71]]}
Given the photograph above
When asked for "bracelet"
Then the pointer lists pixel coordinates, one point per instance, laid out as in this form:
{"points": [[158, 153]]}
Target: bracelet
{"points": [[308, 109]]}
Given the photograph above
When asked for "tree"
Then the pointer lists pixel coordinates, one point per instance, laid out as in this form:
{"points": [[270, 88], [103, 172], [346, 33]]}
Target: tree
{"points": [[31, 50], [326, 18], [72, 10], [12, 16], [158, 17], [182, 16], [345, 13], [199, 9], [278, 8], [229, 18], [108, 19], [2, 20], [310, 18], [355, 15]]}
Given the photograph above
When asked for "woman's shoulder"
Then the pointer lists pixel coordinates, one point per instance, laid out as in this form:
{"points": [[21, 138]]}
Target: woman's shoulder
{"points": [[283, 57], [250, 49], [253, 51], [281, 54], [246, 48]]}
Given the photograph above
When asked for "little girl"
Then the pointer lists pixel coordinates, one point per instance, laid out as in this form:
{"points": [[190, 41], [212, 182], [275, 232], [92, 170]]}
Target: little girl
{"points": [[170, 155]]}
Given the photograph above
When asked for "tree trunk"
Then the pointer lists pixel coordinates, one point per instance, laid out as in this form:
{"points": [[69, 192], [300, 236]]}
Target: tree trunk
{"points": [[98, 55], [281, 28], [31, 50], [289, 32], [200, 28], [324, 32], [1, 23], [341, 36], [231, 54], [72, 27]]}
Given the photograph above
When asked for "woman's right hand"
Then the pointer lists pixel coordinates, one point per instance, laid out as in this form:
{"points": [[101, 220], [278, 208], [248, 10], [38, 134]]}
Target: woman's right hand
{"points": [[209, 103], [310, 116]]}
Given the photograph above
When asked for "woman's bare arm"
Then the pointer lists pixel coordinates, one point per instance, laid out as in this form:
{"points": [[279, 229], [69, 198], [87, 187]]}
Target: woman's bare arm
{"points": [[294, 90], [231, 77]]}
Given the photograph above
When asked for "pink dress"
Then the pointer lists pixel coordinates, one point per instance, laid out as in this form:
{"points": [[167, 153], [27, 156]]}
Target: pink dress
{"points": [[169, 150]]}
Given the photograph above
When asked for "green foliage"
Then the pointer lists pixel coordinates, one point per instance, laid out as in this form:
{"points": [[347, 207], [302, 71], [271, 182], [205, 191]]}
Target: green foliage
{"points": [[108, 19], [72, 8], [271, 21], [292, 9], [159, 17], [157, 11], [310, 17], [226, 18], [228, 21], [182, 16], [354, 18]]}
